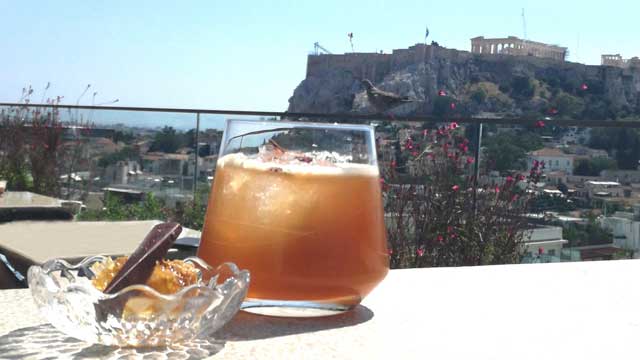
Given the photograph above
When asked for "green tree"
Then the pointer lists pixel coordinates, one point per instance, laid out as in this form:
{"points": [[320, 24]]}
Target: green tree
{"points": [[624, 143], [479, 96], [115, 210], [522, 87], [507, 151], [167, 140], [442, 106], [121, 136], [126, 153], [593, 167], [568, 105], [585, 235]]}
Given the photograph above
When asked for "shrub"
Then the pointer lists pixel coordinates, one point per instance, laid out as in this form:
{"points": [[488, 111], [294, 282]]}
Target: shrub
{"points": [[522, 87], [443, 221], [479, 96]]}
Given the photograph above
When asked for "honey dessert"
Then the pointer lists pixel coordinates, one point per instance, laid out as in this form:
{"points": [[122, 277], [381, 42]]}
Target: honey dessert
{"points": [[167, 277]]}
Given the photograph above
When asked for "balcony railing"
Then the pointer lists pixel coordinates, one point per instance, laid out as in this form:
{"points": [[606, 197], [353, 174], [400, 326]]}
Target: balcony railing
{"points": [[108, 152]]}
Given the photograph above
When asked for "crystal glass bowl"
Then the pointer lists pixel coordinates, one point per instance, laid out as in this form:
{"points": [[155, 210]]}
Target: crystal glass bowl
{"points": [[66, 297]]}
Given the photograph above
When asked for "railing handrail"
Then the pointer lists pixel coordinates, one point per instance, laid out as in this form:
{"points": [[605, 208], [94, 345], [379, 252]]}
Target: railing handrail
{"points": [[526, 121]]}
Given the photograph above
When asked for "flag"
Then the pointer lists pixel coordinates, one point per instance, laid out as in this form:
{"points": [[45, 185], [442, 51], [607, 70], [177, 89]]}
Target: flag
{"points": [[426, 34], [350, 35]]}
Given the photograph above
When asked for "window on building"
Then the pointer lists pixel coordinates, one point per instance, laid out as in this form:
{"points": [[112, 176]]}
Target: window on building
{"points": [[557, 162], [552, 252]]}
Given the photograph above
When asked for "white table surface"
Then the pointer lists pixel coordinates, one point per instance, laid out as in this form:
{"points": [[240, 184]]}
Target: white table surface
{"points": [[588, 310]]}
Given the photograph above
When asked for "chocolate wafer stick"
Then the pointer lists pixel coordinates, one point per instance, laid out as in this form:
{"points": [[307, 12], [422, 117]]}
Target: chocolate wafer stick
{"points": [[140, 264]]}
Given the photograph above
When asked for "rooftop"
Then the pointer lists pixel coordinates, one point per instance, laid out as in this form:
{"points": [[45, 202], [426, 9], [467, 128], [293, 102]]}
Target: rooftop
{"points": [[550, 152]]}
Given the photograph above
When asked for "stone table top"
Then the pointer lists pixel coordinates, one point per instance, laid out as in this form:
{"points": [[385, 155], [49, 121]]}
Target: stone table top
{"points": [[15, 199], [585, 310], [39, 241]]}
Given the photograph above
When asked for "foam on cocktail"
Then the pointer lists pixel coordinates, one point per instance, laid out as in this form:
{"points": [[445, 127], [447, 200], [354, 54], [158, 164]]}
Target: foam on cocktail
{"points": [[310, 163]]}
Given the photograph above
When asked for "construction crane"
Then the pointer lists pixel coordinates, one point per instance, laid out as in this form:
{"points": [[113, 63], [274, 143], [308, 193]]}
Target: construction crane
{"points": [[318, 49], [524, 26], [524, 31]]}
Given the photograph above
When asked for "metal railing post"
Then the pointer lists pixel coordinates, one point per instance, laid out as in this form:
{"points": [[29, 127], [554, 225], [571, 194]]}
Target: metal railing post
{"points": [[476, 167], [195, 168]]}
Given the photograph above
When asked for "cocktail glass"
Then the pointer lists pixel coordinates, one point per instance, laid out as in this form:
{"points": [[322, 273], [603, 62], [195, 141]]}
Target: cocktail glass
{"points": [[299, 205]]}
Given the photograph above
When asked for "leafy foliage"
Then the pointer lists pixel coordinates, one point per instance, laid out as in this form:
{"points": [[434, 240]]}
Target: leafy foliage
{"points": [[522, 87], [435, 223], [31, 152], [479, 95], [169, 140], [116, 210], [584, 235], [593, 167], [623, 143], [508, 151], [442, 106], [126, 153]]}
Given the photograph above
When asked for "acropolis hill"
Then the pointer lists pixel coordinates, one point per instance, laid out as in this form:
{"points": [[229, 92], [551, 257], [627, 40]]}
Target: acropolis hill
{"points": [[499, 83]]}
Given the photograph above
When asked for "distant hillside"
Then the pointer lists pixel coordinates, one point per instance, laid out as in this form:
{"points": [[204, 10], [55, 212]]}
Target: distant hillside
{"points": [[510, 85]]}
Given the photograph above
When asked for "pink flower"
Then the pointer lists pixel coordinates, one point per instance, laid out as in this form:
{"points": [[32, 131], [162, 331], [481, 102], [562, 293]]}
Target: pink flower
{"points": [[425, 132], [584, 87], [497, 189], [382, 181], [509, 179], [453, 125], [420, 252], [452, 106], [449, 228], [442, 93], [455, 187], [393, 164], [514, 198], [470, 160], [453, 236], [390, 251], [520, 177], [540, 124], [414, 154], [440, 238], [540, 251]]}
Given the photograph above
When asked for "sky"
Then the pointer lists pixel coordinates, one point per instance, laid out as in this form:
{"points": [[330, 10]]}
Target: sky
{"points": [[250, 55]]}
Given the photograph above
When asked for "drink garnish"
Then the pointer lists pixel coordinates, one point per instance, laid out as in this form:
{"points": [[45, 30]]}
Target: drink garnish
{"points": [[139, 266]]}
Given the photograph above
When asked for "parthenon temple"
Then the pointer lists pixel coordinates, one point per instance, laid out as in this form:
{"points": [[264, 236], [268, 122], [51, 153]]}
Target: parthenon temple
{"points": [[617, 61], [515, 46]]}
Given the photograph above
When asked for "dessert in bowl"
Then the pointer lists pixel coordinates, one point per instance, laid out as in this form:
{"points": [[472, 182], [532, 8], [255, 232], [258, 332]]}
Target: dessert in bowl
{"points": [[106, 301]]}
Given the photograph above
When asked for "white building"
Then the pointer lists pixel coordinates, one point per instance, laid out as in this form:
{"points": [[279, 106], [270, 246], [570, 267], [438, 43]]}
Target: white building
{"points": [[625, 227], [554, 160], [604, 188], [545, 239]]}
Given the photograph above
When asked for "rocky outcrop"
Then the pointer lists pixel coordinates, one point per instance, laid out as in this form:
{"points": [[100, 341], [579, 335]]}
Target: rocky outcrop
{"points": [[512, 85]]}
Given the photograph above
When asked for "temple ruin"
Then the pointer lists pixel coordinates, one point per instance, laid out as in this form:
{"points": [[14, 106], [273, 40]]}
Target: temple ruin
{"points": [[617, 61], [515, 46]]}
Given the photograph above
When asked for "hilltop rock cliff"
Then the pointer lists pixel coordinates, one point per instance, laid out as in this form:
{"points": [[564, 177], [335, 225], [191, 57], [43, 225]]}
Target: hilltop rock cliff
{"points": [[437, 78]]}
